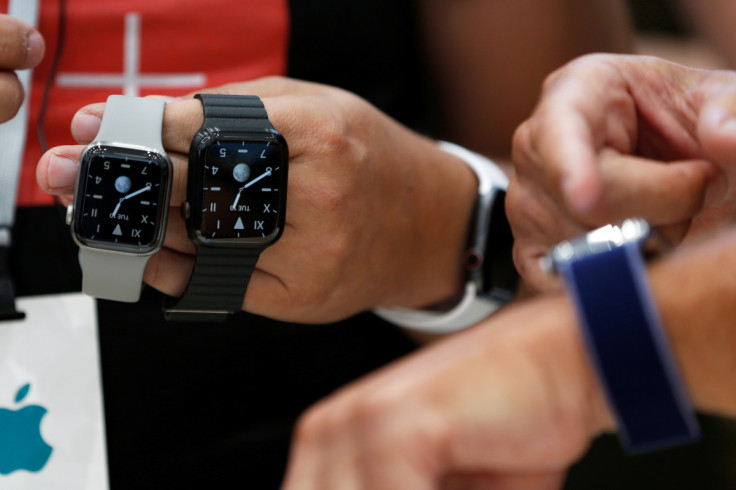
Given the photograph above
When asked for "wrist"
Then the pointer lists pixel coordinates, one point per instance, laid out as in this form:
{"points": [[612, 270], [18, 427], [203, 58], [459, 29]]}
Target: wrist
{"points": [[606, 281], [478, 249], [436, 240]]}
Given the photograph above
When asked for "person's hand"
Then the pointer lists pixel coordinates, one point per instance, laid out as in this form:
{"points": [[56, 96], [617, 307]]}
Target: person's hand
{"points": [[511, 403], [617, 136], [376, 214], [21, 47]]}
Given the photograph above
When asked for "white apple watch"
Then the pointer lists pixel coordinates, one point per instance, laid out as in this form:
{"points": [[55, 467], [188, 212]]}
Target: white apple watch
{"points": [[491, 276], [121, 201]]}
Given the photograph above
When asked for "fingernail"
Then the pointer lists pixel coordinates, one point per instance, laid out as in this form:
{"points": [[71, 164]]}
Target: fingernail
{"points": [[579, 196], [85, 126], [62, 172], [35, 48]]}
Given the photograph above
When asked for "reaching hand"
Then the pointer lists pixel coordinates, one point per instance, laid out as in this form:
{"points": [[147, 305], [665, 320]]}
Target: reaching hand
{"points": [[617, 136]]}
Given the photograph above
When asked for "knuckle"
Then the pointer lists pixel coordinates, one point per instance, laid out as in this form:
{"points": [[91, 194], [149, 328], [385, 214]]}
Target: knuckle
{"points": [[320, 422], [523, 150], [308, 428], [331, 134], [374, 410]]}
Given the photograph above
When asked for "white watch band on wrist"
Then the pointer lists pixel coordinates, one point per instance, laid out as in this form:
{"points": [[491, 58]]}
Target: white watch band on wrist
{"points": [[473, 307], [128, 122], [133, 121]]}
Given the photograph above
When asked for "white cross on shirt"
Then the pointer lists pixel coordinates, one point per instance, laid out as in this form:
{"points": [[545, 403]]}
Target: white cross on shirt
{"points": [[131, 80]]}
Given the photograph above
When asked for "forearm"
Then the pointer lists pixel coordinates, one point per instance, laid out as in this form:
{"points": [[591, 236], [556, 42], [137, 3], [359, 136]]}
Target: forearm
{"points": [[695, 291]]}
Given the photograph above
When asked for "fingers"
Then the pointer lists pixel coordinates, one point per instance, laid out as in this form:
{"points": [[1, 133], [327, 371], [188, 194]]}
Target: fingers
{"points": [[663, 193], [169, 271], [177, 238], [669, 195], [11, 95], [290, 104], [585, 106], [56, 172], [563, 154], [339, 447], [86, 123], [181, 121], [21, 46]]}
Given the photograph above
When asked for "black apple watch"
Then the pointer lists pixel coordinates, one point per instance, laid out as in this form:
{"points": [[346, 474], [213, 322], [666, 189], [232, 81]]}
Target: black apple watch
{"points": [[236, 203], [121, 200]]}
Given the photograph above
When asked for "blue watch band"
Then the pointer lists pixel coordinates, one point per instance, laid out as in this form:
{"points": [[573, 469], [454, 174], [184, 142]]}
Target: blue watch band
{"points": [[627, 344]]}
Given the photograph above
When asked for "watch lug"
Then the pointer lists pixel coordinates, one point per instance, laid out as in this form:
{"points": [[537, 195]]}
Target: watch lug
{"points": [[186, 211]]}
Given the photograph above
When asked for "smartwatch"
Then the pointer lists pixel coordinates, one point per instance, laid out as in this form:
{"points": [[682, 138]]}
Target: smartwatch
{"points": [[491, 275], [236, 203], [121, 200], [605, 274]]}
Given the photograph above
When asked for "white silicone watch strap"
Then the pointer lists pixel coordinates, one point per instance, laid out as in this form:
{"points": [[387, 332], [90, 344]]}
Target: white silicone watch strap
{"points": [[111, 275], [472, 307], [133, 121], [130, 121]]}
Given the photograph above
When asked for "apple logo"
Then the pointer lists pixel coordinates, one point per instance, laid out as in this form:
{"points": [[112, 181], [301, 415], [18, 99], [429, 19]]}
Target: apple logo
{"points": [[21, 445]]}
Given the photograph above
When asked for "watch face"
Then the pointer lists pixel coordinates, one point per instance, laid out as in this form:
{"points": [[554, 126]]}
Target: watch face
{"points": [[121, 198], [243, 186]]}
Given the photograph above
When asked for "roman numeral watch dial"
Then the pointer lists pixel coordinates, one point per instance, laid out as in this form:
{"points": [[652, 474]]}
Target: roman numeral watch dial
{"points": [[120, 200], [236, 204], [241, 189]]}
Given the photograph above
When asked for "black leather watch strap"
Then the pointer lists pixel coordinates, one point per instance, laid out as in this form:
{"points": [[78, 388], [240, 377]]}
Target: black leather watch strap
{"points": [[234, 112], [217, 286], [221, 274]]}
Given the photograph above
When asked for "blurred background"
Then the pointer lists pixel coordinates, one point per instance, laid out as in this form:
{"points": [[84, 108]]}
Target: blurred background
{"points": [[698, 33]]}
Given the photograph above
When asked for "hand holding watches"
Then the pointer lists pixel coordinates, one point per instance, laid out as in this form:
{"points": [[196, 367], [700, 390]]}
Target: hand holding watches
{"points": [[606, 277], [121, 200], [236, 203]]}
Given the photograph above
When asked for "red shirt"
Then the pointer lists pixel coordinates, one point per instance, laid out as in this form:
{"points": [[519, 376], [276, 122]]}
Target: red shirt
{"points": [[142, 47]]}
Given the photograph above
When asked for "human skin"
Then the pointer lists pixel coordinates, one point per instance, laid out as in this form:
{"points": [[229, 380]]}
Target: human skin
{"points": [[395, 243], [21, 47], [615, 136], [513, 402], [357, 180]]}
